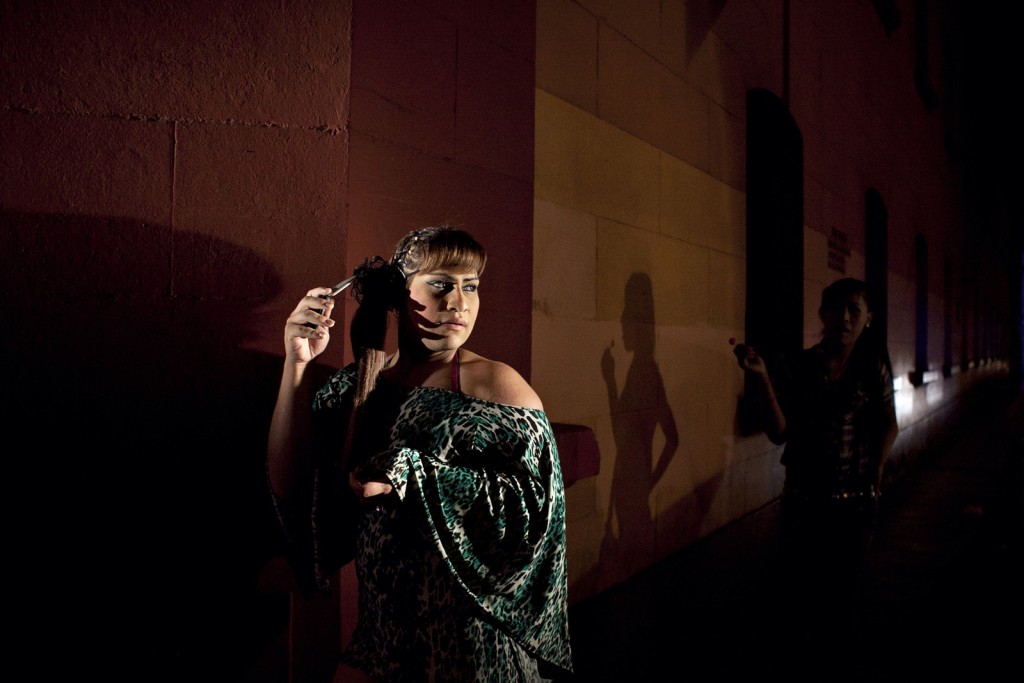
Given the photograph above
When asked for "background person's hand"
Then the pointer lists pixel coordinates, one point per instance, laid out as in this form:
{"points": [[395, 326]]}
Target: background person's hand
{"points": [[749, 360]]}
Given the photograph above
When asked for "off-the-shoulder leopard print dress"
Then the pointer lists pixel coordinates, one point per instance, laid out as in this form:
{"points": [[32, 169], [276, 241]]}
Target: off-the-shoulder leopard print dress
{"points": [[462, 575]]}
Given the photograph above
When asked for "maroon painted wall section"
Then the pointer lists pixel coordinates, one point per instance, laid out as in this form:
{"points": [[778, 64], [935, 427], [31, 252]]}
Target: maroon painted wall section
{"points": [[442, 132], [261, 63], [225, 119], [173, 176]]}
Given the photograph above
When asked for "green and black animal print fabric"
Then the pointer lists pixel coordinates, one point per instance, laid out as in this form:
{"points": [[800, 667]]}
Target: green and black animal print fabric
{"points": [[462, 573]]}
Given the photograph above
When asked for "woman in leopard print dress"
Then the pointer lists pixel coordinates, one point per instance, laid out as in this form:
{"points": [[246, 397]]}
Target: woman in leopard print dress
{"points": [[435, 468]]}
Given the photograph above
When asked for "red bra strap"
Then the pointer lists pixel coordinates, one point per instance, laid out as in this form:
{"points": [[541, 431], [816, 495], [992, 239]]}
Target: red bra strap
{"points": [[455, 373]]}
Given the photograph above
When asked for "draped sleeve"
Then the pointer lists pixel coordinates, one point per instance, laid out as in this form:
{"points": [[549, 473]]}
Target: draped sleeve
{"points": [[483, 482], [318, 522]]}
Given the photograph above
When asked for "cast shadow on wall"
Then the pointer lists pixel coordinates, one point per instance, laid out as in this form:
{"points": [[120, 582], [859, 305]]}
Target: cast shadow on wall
{"points": [[664, 591], [136, 442], [636, 412]]}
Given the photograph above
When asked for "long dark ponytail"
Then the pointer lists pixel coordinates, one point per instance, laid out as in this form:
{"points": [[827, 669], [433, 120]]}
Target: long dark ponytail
{"points": [[380, 288]]}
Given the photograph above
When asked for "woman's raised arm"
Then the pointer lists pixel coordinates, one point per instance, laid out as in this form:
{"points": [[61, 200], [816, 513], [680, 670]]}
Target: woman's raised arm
{"points": [[306, 336]]}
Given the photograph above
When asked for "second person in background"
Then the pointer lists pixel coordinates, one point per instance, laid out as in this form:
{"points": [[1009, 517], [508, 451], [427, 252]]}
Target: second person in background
{"points": [[832, 405]]}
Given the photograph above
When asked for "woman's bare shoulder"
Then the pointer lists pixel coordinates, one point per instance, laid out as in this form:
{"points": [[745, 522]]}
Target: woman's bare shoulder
{"points": [[497, 382]]}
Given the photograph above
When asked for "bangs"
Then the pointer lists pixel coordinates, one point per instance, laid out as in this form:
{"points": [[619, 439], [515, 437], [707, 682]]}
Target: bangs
{"points": [[446, 249], [455, 259]]}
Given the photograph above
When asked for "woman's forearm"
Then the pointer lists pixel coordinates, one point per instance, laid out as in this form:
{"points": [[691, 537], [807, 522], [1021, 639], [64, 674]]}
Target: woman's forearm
{"points": [[772, 418], [290, 428]]}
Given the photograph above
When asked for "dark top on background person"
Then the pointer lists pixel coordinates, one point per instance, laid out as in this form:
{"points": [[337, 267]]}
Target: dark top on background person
{"points": [[458, 531], [832, 405]]}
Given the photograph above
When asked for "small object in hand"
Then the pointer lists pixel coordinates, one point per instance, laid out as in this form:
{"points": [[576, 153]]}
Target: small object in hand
{"points": [[739, 349], [335, 291], [340, 287]]}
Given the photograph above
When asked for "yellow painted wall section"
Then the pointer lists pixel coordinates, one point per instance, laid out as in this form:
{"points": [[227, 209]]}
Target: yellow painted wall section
{"points": [[640, 242]]}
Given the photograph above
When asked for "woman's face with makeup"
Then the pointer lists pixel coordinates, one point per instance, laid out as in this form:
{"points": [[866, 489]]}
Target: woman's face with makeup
{"points": [[442, 307]]}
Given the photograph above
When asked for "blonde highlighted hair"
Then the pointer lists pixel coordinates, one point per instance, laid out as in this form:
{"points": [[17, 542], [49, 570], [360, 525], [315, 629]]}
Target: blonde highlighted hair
{"points": [[381, 286], [428, 249]]}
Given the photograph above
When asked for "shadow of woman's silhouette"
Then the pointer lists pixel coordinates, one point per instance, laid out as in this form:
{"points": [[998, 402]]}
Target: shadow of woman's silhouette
{"points": [[636, 413], [135, 442]]}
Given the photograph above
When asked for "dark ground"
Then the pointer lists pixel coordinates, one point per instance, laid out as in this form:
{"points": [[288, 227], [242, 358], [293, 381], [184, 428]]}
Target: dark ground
{"points": [[942, 596]]}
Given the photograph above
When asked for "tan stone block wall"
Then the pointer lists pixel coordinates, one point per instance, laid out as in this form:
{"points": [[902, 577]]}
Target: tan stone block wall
{"points": [[640, 169], [624, 189], [582, 162]]}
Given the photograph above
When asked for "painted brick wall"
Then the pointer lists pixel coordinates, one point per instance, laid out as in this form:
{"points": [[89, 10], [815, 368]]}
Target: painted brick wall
{"points": [[442, 132], [173, 177], [641, 174]]}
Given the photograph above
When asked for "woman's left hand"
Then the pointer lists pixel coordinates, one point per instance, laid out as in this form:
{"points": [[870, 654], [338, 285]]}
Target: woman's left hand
{"points": [[369, 492]]}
